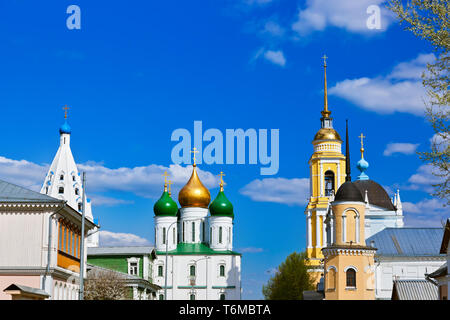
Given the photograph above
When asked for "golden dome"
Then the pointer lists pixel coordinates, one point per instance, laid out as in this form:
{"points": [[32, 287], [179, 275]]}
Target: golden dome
{"points": [[327, 134], [194, 193]]}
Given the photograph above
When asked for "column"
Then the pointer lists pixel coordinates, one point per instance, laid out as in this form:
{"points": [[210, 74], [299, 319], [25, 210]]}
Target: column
{"points": [[309, 229], [324, 233], [338, 176], [321, 179], [317, 230]]}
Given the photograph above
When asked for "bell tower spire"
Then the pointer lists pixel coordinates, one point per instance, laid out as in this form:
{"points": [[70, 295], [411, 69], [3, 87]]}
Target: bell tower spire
{"points": [[325, 113]]}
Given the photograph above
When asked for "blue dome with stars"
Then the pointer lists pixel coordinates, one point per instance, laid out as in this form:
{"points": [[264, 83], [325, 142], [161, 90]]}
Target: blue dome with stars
{"points": [[65, 128]]}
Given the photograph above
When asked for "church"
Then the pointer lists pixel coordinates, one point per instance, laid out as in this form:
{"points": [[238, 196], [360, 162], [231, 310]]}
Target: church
{"points": [[346, 222], [194, 244]]}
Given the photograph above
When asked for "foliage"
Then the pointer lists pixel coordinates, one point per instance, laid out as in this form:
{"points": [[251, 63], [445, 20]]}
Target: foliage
{"points": [[290, 280], [104, 285], [429, 20]]}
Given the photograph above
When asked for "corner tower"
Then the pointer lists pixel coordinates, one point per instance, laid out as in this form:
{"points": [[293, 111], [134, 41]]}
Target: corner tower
{"points": [[327, 173]]}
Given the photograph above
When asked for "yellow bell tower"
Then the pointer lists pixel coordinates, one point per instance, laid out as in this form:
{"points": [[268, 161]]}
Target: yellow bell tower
{"points": [[327, 173]]}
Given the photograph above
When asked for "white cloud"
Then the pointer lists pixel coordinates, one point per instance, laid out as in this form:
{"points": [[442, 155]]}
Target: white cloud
{"points": [[350, 15], [113, 239], [424, 178], [250, 250], [276, 57], [425, 213], [274, 29], [279, 190], [397, 147], [144, 181], [399, 91]]}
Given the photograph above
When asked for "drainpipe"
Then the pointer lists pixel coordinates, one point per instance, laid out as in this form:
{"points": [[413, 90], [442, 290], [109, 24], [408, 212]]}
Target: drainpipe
{"points": [[50, 238]]}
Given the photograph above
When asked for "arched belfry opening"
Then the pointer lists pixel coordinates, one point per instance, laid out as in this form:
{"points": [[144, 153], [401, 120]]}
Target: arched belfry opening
{"points": [[329, 183]]}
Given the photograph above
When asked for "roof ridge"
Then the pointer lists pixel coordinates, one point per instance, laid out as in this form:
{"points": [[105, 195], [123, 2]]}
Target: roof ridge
{"points": [[41, 195]]}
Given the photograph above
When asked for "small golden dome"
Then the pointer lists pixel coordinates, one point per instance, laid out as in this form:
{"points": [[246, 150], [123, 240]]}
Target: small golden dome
{"points": [[194, 193], [327, 134]]}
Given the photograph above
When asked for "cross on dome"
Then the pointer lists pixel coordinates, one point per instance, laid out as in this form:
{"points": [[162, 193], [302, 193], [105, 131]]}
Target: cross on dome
{"points": [[170, 187], [65, 108], [221, 174], [194, 151]]}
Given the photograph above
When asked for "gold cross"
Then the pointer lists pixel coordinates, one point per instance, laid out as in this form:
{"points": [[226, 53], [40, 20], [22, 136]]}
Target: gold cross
{"points": [[194, 152], [165, 174], [65, 108], [362, 141], [170, 189], [324, 60], [221, 174]]}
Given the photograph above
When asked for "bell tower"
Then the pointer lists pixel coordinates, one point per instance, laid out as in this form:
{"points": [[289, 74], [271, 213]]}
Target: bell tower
{"points": [[327, 173]]}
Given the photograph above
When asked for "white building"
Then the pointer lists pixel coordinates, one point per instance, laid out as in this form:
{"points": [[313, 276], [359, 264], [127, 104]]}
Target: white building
{"points": [[200, 262], [404, 254], [63, 181], [39, 245]]}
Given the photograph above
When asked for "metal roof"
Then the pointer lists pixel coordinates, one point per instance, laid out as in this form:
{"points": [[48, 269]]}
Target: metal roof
{"points": [[13, 193], [407, 241], [111, 251], [414, 290], [26, 289]]}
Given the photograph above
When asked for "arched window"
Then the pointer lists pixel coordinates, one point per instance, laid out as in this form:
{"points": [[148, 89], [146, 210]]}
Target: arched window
{"points": [[220, 234], [161, 297], [210, 235], [164, 235], [222, 296], [80, 206], [160, 271], [174, 236], [329, 183], [351, 278], [192, 296], [61, 177], [203, 231], [61, 190], [193, 231], [222, 270], [192, 271], [183, 231], [73, 178], [331, 278], [76, 191]]}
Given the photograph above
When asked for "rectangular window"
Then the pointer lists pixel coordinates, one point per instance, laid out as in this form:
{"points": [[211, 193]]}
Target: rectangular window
{"points": [[160, 271], [220, 234], [183, 231], [174, 235], [133, 268], [193, 231], [60, 236], [164, 235]]}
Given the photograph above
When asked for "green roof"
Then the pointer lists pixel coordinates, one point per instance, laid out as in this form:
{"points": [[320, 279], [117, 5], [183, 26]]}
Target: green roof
{"points": [[196, 249]]}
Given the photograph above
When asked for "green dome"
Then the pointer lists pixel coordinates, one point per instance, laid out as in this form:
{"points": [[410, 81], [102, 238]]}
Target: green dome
{"points": [[221, 206], [165, 206]]}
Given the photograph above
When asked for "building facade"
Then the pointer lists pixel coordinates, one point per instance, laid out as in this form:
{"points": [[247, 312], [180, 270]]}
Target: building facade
{"points": [[194, 245], [134, 264], [40, 239]]}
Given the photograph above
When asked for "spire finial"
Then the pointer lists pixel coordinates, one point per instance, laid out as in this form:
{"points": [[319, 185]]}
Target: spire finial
{"points": [[362, 144], [347, 154], [165, 174], [65, 108], [221, 174], [325, 113], [194, 151], [170, 187]]}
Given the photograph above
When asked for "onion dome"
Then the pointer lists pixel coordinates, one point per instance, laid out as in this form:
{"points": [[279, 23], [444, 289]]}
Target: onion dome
{"points": [[65, 128], [165, 206], [348, 192], [327, 134], [221, 206], [194, 193]]}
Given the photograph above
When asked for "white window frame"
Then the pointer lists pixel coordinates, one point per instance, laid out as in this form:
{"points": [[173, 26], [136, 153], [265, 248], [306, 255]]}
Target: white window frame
{"points": [[133, 260]]}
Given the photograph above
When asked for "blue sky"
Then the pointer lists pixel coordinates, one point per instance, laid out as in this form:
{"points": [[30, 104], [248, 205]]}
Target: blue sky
{"points": [[134, 73]]}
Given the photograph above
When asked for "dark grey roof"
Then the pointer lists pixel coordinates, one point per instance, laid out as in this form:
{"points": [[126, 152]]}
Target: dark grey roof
{"points": [[26, 289], [376, 193], [112, 251], [414, 290], [440, 272], [13, 193], [348, 192], [407, 241]]}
